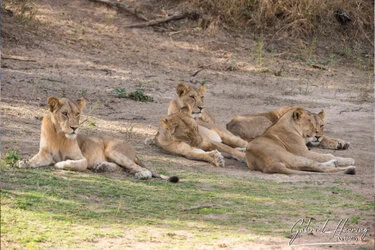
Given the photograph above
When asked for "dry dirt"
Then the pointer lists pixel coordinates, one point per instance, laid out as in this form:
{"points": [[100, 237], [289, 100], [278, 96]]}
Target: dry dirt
{"points": [[81, 48]]}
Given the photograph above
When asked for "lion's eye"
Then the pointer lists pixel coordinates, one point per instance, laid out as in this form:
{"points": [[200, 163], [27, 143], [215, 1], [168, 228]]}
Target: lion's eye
{"points": [[192, 96], [65, 114], [78, 114]]}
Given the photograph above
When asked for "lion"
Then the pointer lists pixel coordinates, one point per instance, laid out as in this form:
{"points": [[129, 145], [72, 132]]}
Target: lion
{"points": [[194, 98], [61, 145], [282, 148], [251, 126], [180, 134]]}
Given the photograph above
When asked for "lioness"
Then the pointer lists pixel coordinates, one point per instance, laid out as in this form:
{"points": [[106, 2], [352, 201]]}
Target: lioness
{"points": [[180, 134], [61, 144], [194, 98], [249, 127], [282, 148]]}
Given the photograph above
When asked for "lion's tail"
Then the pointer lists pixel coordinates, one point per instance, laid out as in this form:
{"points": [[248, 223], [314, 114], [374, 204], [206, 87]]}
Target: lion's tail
{"points": [[173, 179]]}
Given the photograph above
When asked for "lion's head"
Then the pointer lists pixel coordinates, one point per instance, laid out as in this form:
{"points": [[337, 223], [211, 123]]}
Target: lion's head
{"points": [[65, 115], [192, 97], [311, 125], [181, 126]]}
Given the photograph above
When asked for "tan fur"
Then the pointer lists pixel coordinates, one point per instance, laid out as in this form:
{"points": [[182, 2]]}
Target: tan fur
{"points": [[282, 148], [194, 98], [180, 134], [62, 146], [249, 127]]}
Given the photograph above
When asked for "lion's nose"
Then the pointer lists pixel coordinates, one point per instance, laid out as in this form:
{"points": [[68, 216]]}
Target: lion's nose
{"points": [[200, 108], [74, 128]]}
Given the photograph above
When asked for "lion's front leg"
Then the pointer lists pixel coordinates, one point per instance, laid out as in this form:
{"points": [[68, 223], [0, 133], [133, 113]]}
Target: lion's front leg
{"points": [[76, 165], [333, 143], [230, 139], [304, 164], [340, 161], [213, 156], [41, 159]]}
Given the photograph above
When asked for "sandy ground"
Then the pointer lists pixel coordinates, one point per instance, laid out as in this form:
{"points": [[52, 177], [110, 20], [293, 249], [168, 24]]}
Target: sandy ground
{"points": [[82, 48]]}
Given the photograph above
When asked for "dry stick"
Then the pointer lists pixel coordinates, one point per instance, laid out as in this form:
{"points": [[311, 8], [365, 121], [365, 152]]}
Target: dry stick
{"points": [[17, 59], [51, 80], [352, 110], [177, 16], [316, 66], [203, 67], [122, 7]]}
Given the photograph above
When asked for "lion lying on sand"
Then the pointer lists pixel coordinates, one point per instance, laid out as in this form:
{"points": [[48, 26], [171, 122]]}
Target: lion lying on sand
{"points": [[282, 148], [61, 145], [249, 127], [194, 98], [180, 134]]}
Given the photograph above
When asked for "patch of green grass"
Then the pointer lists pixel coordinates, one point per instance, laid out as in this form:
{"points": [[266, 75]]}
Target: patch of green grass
{"points": [[46, 207], [137, 95], [120, 92], [91, 123], [11, 157], [354, 219]]}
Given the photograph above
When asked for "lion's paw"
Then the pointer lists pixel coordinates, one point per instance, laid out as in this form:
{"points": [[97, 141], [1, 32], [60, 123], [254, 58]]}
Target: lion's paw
{"points": [[342, 145], [218, 158], [24, 164], [143, 175], [241, 149], [60, 165], [345, 161], [105, 167]]}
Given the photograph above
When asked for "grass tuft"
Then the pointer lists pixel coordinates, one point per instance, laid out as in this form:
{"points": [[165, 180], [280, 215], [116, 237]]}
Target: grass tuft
{"points": [[11, 158], [137, 95]]}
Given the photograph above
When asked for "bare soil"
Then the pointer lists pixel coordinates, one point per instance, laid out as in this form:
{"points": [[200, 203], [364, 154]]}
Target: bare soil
{"points": [[80, 48]]}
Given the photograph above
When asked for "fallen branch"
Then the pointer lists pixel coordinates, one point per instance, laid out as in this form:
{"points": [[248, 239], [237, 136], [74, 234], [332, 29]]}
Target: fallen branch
{"points": [[51, 80], [200, 207], [123, 7], [17, 59], [350, 110], [177, 16], [197, 72], [203, 67], [316, 66]]}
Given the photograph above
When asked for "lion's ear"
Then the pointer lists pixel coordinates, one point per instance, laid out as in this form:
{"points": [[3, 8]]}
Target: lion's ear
{"points": [[202, 90], [322, 114], [182, 89], [164, 123], [53, 103], [81, 103], [297, 114]]}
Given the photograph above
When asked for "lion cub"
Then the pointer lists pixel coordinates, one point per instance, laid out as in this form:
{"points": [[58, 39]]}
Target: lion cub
{"points": [[180, 134], [282, 148], [61, 145]]}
